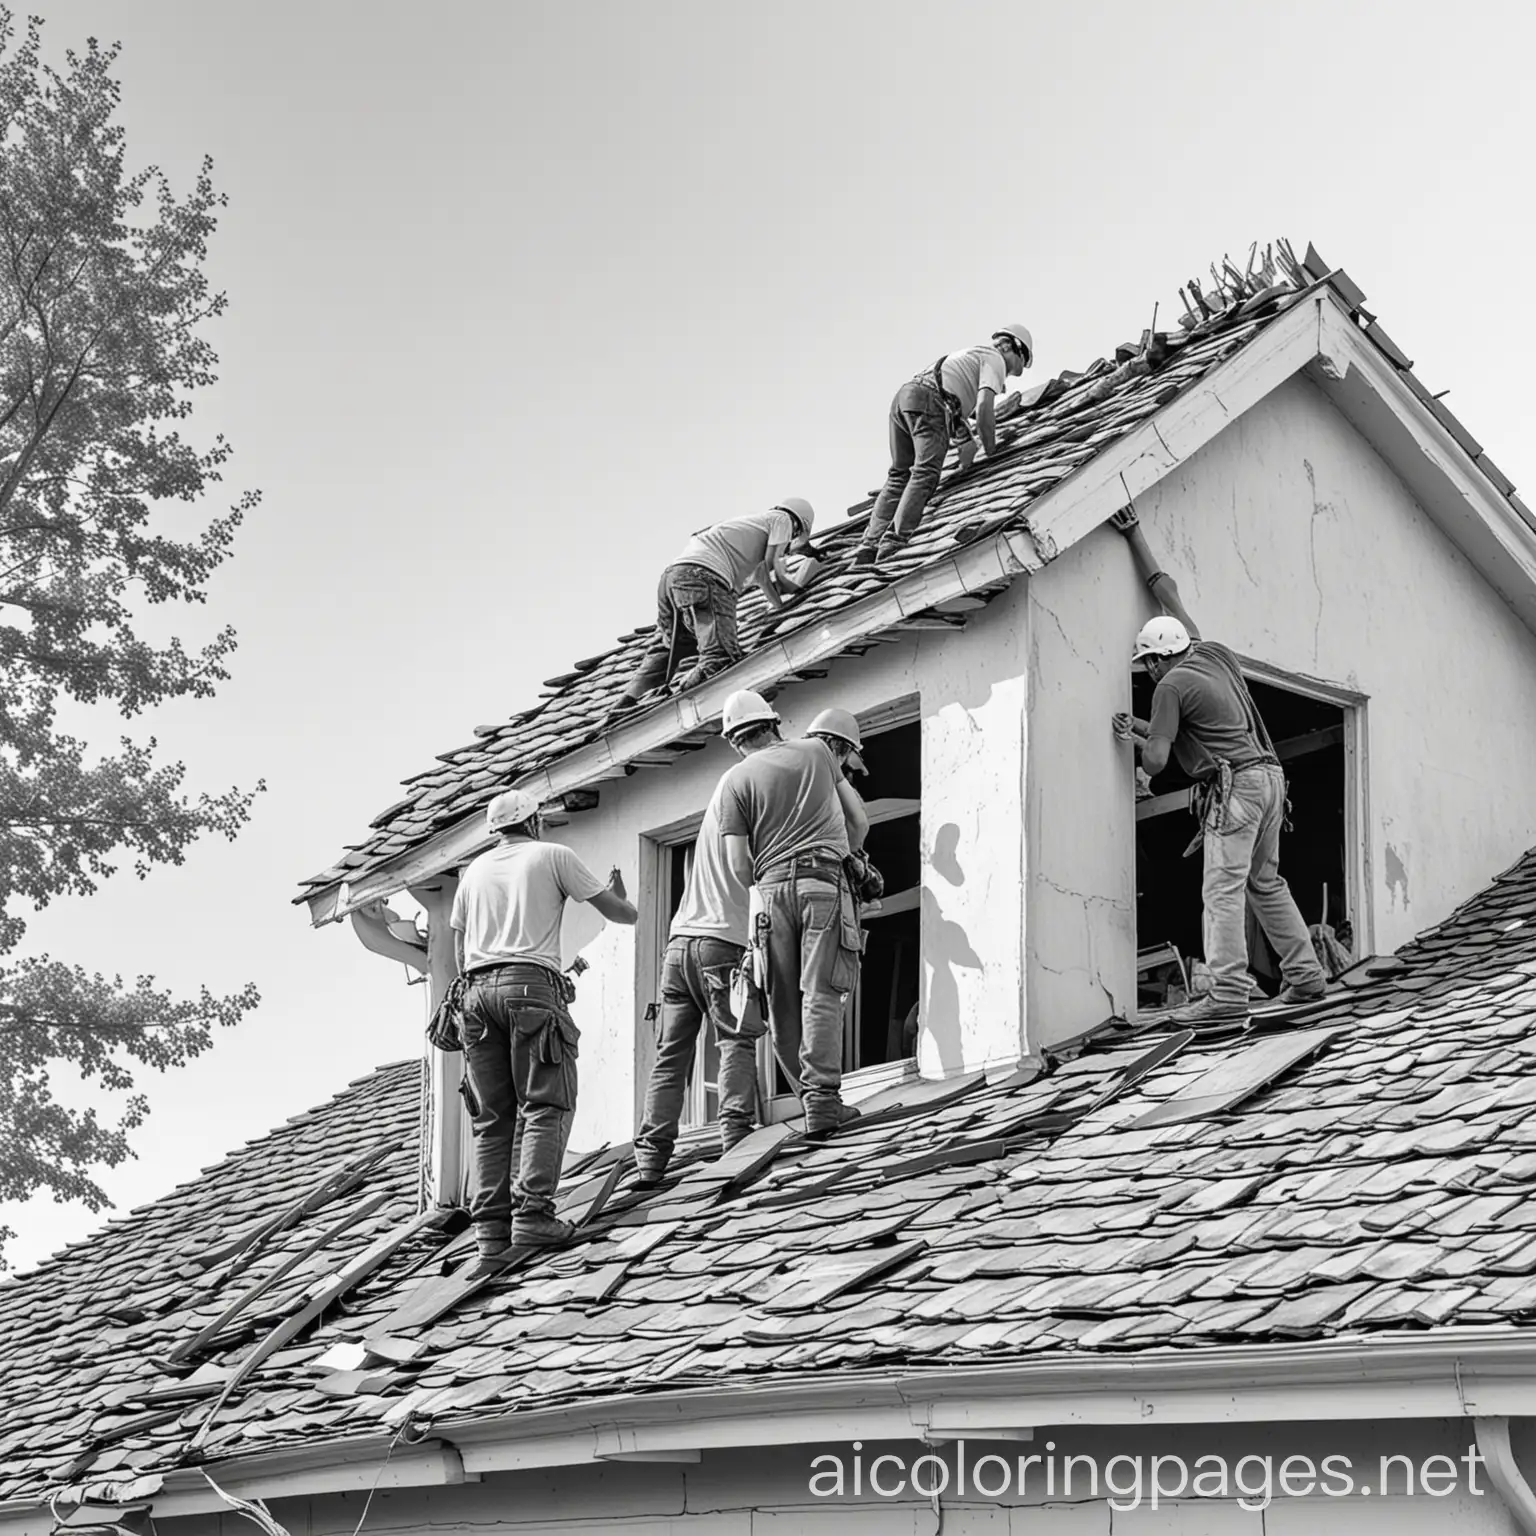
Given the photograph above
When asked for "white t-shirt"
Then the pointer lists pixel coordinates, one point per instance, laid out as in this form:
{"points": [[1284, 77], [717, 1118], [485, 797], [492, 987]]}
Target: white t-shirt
{"points": [[734, 549], [967, 373], [714, 904], [510, 901]]}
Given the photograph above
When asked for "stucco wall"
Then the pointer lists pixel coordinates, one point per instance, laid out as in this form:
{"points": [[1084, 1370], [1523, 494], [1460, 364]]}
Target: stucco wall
{"points": [[971, 692], [1295, 544], [767, 1490]]}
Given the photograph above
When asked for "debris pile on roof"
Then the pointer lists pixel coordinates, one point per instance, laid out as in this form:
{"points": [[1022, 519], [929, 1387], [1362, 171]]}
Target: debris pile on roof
{"points": [[1384, 1181]]}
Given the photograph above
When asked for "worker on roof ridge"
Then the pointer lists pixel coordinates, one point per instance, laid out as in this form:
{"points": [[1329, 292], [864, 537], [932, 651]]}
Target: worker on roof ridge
{"points": [[520, 1041], [698, 594], [788, 820], [1203, 713], [930, 409]]}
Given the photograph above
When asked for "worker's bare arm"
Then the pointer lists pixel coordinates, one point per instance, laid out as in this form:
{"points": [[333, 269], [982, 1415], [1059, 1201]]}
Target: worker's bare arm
{"points": [[1159, 583], [458, 951], [854, 814], [986, 426], [1129, 728], [738, 857], [614, 904], [1154, 754]]}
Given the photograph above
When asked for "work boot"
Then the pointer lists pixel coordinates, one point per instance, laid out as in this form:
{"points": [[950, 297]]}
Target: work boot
{"points": [[648, 1173], [1209, 1012], [538, 1229], [863, 556], [492, 1237], [890, 547], [822, 1119], [733, 1135], [1309, 992]]}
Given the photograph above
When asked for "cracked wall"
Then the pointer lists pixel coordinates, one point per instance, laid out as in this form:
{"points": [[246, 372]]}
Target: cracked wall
{"points": [[1079, 796], [1294, 542]]}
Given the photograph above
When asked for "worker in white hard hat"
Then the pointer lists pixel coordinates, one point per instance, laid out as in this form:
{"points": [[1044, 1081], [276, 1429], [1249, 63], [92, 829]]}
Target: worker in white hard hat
{"points": [[697, 595], [1204, 717], [930, 410], [787, 817], [520, 1041]]}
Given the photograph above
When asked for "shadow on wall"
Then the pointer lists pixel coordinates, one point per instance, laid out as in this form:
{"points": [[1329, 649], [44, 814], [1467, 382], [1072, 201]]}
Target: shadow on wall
{"points": [[946, 945]]}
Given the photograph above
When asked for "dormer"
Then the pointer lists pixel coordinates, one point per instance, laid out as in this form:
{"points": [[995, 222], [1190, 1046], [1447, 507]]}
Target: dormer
{"points": [[1324, 516]]}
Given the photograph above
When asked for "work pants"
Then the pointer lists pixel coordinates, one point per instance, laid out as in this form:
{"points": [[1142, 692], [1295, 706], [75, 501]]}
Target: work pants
{"points": [[814, 944], [520, 1053], [1242, 867], [919, 441], [706, 606], [695, 988]]}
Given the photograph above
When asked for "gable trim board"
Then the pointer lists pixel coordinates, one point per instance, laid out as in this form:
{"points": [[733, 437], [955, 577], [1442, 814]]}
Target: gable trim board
{"points": [[1317, 329], [1461, 1374]]}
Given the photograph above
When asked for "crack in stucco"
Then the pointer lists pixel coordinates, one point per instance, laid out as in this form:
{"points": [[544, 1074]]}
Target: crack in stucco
{"points": [[1087, 661], [1237, 548], [1111, 902], [1318, 508]]}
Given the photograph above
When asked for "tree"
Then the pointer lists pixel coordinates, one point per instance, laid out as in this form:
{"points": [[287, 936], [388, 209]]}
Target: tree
{"points": [[103, 313]]}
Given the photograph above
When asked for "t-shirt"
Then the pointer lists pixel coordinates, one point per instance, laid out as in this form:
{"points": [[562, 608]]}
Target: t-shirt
{"points": [[967, 373], [734, 549], [783, 800], [1205, 712], [714, 904], [510, 901]]}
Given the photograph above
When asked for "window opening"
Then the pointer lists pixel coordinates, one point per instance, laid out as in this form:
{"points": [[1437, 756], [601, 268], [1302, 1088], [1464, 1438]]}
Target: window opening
{"points": [[1309, 736]]}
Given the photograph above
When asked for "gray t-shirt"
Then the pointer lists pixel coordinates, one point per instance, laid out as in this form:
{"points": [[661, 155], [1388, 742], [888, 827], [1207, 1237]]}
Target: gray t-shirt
{"points": [[733, 550], [714, 904], [784, 801], [510, 901], [1203, 708]]}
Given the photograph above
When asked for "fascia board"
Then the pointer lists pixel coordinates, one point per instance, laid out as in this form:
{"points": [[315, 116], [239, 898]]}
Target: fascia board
{"points": [[967, 570], [1457, 1374], [1473, 513]]}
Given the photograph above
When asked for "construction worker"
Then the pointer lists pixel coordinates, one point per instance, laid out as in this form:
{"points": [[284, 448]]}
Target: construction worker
{"points": [[705, 945], [786, 817], [930, 409], [519, 1039], [698, 593], [1204, 716]]}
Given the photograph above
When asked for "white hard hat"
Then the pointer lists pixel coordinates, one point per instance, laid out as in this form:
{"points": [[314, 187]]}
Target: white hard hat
{"points": [[801, 510], [745, 708], [1161, 636], [510, 809], [841, 724], [1020, 334]]}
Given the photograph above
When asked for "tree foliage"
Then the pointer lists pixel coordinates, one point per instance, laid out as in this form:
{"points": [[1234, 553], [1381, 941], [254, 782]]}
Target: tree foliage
{"points": [[104, 308]]}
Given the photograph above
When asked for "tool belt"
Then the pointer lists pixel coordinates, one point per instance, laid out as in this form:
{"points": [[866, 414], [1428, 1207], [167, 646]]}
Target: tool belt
{"points": [[864, 880], [816, 862], [1208, 799]]}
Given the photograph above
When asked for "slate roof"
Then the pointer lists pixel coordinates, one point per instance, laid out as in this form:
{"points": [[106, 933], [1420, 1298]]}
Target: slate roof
{"points": [[1067, 423], [1384, 1184]]}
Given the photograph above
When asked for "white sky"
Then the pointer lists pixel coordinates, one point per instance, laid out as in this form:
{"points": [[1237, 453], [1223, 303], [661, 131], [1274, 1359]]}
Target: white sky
{"points": [[522, 294]]}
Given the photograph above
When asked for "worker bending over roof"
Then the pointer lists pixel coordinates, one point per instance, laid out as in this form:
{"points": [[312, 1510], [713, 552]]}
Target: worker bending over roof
{"points": [[699, 591], [1203, 714], [788, 819], [519, 1038], [927, 412]]}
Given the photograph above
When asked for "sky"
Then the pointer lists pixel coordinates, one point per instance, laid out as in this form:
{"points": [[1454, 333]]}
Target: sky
{"points": [[522, 294]]}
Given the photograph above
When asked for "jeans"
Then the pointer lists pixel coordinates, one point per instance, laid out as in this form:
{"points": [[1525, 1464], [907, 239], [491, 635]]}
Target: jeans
{"points": [[1242, 865], [707, 607], [520, 1052], [814, 943], [919, 441], [695, 986]]}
